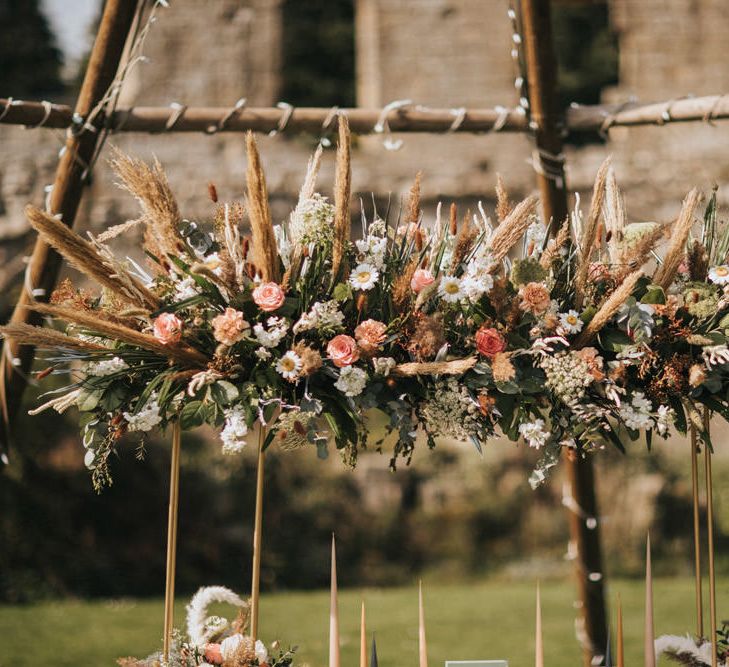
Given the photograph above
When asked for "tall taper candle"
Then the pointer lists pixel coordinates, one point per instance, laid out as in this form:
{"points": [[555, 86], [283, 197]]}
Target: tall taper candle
{"points": [[333, 613], [362, 639], [649, 650], [620, 643], [539, 643], [422, 646]]}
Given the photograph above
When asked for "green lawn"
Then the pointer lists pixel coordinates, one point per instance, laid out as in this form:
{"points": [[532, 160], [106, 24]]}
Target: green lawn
{"points": [[488, 619]]}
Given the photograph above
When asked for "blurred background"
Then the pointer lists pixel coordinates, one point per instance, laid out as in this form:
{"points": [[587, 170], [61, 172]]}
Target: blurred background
{"points": [[452, 516]]}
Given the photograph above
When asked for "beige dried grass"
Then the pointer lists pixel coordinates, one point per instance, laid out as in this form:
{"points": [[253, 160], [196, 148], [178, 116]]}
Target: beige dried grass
{"points": [[342, 193]]}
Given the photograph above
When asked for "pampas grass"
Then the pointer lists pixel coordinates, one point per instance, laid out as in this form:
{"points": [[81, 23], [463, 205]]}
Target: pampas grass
{"points": [[265, 252], [613, 209], [84, 257], [342, 191], [589, 238], [503, 204], [555, 245], [26, 334], [413, 213], [119, 332], [509, 232], [666, 272], [609, 307], [149, 186]]}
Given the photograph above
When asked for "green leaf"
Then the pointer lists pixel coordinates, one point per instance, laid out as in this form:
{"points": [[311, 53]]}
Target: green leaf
{"points": [[654, 294], [193, 414], [224, 392], [88, 398], [342, 292], [613, 340]]}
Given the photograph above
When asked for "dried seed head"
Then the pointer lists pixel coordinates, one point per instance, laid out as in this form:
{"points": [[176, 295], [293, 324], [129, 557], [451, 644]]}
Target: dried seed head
{"points": [[213, 193]]}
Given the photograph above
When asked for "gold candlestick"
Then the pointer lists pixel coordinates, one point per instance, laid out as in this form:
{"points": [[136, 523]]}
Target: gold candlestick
{"points": [[333, 613], [697, 532], [539, 643], [649, 650], [172, 514], [710, 538], [422, 646], [620, 641], [362, 638], [257, 535]]}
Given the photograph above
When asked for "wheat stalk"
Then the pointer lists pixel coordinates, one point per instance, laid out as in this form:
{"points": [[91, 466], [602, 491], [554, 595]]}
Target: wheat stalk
{"points": [[342, 191], [613, 209], [26, 334], [265, 252], [455, 367], [666, 272], [609, 307], [413, 214], [508, 233], [92, 321]]}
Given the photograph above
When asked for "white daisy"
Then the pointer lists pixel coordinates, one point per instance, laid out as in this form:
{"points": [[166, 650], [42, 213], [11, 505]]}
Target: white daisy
{"points": [[571, 321], [289, 365], [451, 290], [719, 274], [364, 277]]}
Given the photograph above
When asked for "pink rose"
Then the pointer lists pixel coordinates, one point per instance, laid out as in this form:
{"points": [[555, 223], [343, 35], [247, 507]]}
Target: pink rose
{"points": [[168, 329], [269, 297], [213, 654], [421, 279], [230, 327], [489, 342], [342, 350], [370, 334]]}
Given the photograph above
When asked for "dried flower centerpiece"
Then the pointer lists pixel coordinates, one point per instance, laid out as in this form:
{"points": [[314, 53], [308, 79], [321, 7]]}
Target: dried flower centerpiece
{"points": [[459, 328]]}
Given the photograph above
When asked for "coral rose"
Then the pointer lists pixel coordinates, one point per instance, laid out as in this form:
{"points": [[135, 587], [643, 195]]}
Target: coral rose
{"points": [[489, 342], [230, 327], [534, 298], [420, 280], [370, 334], [213, 654], [168, 328], [269, 297], [342, 350]]}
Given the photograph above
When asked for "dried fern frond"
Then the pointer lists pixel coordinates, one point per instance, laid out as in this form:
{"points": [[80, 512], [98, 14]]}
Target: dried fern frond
{"points": [[26, 334], [342, 192], [609, 307], [508, 233], [265, 251], [413, 212], [179, 353], [149, 186], [666, 272], [84, 257], [589, 239]]}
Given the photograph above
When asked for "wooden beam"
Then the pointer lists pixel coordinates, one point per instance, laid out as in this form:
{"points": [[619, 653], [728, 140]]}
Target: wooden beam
{"points": [[578, 118], [584, 527], [66, 193]]}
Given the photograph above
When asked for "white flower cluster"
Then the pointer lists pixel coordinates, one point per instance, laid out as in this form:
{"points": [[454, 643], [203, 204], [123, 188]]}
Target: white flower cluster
{"points": [[323, 315], [383, 365], [535, 234], [352, 381], [534, 433], [106, 367], [475, 282], [715, 355], [147, 417], [271, 336], [312, 221], [235, 429], [185, 289], [567, 376], [451, 411], [372, 250], [638, 414]]}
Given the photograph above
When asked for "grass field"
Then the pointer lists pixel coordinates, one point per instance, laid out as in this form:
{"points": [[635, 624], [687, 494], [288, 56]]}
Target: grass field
{"points": [[483, 620]]}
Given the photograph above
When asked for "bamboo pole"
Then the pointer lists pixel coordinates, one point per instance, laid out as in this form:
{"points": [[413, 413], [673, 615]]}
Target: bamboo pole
{"points": [[697, 532], [258, 534], [65, 196], [172, 514], [417, 118], [710, 538], [541, 77]]}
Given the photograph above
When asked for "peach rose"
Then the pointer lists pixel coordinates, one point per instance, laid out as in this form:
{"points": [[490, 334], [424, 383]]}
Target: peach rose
{"points": [[230, 327], [168, 329], [534, 298], [421, 279], [370, 334], [489, 342], [213, 654], [342, 350], [269, 297]]}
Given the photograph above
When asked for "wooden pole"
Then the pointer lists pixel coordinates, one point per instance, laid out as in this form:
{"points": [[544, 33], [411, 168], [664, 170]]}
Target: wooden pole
{"points": [[258, 535], [585, 533], [66, 193], [172, 514], [416, 118], [697, 532]]}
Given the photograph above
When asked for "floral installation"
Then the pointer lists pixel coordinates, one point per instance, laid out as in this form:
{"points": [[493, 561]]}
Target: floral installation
{"points": [[464, 328], [213, 640], [686, 650]]}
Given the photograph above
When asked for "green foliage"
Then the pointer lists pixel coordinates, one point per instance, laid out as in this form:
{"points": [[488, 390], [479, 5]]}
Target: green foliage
{"points": [[30, 61]]}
